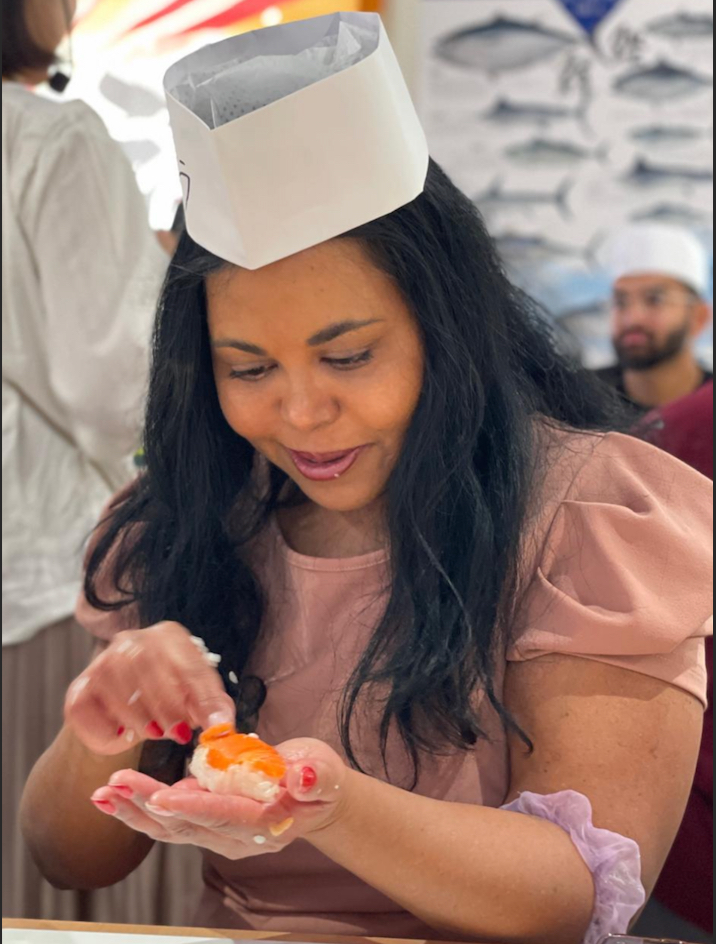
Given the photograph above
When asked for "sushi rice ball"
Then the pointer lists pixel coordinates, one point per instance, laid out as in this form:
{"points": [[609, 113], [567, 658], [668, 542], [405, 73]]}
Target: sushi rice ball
{"points": [[232, 764]]}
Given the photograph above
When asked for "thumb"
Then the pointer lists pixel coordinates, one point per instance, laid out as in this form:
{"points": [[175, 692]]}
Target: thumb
{"points": [[315, 772], [212, 709]]}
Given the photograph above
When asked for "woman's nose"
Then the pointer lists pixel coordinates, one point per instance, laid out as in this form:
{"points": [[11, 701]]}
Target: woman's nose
{"points": [[305, 406]]}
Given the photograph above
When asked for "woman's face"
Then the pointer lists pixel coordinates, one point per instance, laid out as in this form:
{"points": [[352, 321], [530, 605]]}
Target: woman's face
{"points": [[319, 365], [47, 21]]}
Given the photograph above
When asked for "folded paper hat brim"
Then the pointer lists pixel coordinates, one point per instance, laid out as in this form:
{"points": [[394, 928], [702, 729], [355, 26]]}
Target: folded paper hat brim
{"points": [[305, 169]]}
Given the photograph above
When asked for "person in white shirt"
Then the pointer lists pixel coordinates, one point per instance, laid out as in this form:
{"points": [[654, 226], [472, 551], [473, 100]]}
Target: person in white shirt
{"points": [[81, 274]]}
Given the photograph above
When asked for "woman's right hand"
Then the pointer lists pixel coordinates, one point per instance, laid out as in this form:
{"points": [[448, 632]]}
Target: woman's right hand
{"points": [[148, 684]]}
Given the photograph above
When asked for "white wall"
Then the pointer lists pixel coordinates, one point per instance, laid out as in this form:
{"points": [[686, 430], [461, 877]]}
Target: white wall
{"points": [[402, 20], [560, 136]]}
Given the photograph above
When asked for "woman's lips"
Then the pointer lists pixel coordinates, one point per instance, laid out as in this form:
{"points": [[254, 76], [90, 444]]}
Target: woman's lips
{"points": [[325, 466]]}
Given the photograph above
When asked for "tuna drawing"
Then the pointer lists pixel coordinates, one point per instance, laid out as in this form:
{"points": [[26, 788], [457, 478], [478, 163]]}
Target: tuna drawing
{"points": [[646, 174], [683, 26], [503, 44], [677, 214], [497, 197], [667, 135], [542, 151], [662, 83], [509, 112]]}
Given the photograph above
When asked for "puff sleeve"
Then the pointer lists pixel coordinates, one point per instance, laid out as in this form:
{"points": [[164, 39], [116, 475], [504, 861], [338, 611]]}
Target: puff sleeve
{"points": [[625, 575]]}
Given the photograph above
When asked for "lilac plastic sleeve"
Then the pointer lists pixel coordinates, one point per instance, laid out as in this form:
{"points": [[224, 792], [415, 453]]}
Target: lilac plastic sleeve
{"points": [[613, 860]]}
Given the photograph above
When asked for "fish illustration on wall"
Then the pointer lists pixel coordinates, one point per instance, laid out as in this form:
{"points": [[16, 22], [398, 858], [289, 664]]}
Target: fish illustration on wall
{"points": [[683, 26], [498, 197], [667, 135], [566, 119], [662, 82], [503, 45], [546, 152], [677, 214], [506, 111], [646, 174]]}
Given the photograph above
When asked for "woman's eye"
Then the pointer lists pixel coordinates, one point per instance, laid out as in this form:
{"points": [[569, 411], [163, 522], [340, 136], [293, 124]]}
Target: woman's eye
{"points": [[350, 363], [250, 374], [254, 374]]}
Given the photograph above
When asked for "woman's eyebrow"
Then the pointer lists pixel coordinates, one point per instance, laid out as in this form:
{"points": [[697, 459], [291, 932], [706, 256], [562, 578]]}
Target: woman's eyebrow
{"points": [[324, 336], [244, 346], [338, 330]]}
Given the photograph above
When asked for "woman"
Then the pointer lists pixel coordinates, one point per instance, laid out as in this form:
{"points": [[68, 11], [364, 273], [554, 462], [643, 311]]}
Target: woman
{"points": [[376, 490], [82, 271]]}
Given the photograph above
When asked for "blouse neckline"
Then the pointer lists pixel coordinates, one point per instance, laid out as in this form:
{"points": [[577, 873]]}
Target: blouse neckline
{"points": [[325, 564]]}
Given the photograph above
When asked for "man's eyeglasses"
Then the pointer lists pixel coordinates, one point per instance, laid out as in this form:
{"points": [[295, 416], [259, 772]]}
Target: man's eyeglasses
{"points": [[657, 299]]}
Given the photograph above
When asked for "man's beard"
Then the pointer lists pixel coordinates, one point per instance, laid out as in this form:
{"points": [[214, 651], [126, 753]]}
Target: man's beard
{"points": [[652, 354]]}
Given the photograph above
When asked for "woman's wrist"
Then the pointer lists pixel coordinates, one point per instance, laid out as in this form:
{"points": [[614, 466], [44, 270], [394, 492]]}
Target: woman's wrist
{"points": [[337, 824]]}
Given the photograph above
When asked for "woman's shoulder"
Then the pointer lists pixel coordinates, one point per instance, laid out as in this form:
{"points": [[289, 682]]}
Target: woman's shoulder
{"points": [[623, 569], [46, 141], [613, 468], [57, 148], [44, 120], [614, 479]]}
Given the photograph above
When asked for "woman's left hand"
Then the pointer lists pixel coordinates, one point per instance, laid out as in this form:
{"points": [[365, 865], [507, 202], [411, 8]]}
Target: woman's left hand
{"points": [[312, 797]]}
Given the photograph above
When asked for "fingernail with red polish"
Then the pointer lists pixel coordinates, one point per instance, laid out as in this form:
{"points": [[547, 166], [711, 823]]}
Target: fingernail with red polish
{"points": [[154, 730], [123, 790], [182, 733], [105, 806], [309, 779]]}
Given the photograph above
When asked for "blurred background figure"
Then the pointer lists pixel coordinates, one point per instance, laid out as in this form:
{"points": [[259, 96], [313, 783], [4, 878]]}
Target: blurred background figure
{"points": [[81, 274], [686, 429], [660, 277], [682, 906]]}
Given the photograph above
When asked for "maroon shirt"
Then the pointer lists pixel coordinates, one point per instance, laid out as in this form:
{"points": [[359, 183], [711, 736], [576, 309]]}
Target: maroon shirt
{"points": [[686, 884]]}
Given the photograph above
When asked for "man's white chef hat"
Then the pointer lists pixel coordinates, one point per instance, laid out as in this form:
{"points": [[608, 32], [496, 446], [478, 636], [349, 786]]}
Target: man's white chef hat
{"points": [[655, 248], [293, 135]]}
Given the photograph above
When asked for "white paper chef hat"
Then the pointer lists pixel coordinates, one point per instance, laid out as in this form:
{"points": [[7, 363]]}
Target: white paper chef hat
{"points": [[293, 135], [649, 248]]}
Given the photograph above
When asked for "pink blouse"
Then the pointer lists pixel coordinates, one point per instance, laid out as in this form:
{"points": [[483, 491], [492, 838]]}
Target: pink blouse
{"points": [[618, 569]]}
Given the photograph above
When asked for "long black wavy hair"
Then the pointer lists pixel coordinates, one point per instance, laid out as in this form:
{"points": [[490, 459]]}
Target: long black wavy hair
{"points": [[458, 501]]}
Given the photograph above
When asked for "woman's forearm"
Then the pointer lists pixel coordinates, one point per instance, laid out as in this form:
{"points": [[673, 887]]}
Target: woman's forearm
{"points": [[481, 873], [73, 845]]}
